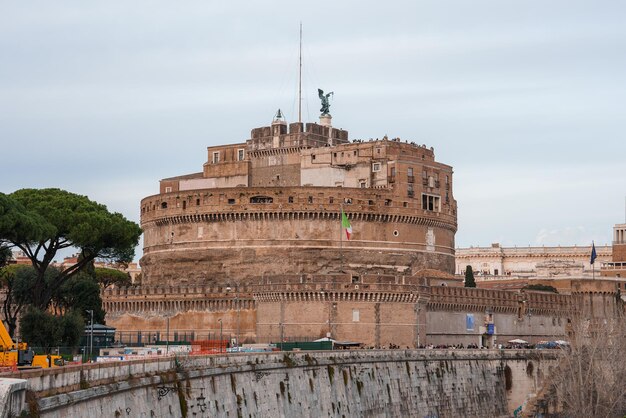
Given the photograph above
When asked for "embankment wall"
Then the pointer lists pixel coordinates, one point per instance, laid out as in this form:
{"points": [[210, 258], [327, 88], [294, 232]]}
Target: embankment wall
{"points": [[385, 383]]}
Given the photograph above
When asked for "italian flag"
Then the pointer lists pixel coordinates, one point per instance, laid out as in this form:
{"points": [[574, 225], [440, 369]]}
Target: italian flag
{"points": [[345, 223]]}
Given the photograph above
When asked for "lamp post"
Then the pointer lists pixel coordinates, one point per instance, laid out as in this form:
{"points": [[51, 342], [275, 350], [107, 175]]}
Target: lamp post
{"points": [[220, 321], [90, 312], [238, 303], [329, 333], [167, 336]]}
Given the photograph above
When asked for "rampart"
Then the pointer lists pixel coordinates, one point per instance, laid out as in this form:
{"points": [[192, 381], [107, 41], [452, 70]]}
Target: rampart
{"points": [[375, 310]]}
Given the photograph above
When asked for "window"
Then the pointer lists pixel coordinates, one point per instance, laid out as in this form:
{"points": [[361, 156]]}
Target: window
{"points": [[310, 199], [164, 205], [356, 315], [290, 200], [200, 231], [410, 191], [393, 171], [240, 154], [362, 184], [410, 171], [197, 202], [261, 199], [216, 157], [331, 200], [424, 174], [231, 201], [168, 190], [430, 202], [335, 155], [376, 167], [313, 156]]}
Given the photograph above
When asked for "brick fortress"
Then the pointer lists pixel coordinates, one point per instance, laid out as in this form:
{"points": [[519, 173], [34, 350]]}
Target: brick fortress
{"points": [[253, 245], [271, 206]]}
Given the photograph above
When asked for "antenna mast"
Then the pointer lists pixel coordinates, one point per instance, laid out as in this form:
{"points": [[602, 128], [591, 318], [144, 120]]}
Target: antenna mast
{"points": [[300, 80]]}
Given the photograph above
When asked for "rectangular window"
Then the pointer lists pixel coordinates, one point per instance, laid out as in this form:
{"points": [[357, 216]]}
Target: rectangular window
{"points": [[168, 190], [376, 167], [356, 315], [410, 171], [216, 157], [362, 184], [431, 202], [290, 200], [240, 154]]}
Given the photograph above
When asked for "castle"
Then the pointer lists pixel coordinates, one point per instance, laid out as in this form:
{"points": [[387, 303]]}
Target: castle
{"points": [[252, 247], [272, 206]]}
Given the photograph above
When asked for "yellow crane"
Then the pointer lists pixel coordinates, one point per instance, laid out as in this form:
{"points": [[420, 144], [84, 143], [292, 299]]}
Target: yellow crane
{"points": [[19, 355]]}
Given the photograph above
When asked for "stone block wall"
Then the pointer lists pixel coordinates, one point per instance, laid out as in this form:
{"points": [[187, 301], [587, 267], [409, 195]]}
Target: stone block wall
{"points": [[414, 383]]}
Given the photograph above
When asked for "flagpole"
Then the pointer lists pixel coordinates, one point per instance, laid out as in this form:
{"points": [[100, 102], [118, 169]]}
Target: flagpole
{"points": [[341, 235], [593, 260]]}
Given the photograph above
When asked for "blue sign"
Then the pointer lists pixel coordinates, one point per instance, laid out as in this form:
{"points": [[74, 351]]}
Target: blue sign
{"points": [[490, 329]]}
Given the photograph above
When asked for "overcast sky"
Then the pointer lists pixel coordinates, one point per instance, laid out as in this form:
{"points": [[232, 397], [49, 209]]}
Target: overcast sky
{"points": [[525, 99]]}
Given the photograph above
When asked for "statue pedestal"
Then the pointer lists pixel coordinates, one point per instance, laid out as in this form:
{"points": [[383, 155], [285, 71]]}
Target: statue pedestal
{"points": [[325, 120]]}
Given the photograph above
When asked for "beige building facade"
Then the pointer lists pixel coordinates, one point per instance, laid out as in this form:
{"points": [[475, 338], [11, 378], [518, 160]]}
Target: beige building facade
{"points": [[526, 261]]}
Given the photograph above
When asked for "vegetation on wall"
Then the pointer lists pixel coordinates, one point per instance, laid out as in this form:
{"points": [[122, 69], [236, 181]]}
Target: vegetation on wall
{"points": [[540, 287]]}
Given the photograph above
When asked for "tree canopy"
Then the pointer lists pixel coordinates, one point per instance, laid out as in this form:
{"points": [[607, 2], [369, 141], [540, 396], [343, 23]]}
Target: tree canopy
{"points": [[107, 277], [40, 222]]}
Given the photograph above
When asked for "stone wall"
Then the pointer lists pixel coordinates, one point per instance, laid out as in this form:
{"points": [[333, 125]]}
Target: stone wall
{"points": [[391, 383], [238, 233], [375, 310]]}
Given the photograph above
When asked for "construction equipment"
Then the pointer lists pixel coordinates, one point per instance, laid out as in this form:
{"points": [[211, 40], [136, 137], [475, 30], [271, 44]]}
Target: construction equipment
{"points": [[20, 356]]}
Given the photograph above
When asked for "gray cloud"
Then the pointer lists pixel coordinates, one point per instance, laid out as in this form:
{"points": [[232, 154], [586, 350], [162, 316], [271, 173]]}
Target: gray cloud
{"points": [[524, 99]]}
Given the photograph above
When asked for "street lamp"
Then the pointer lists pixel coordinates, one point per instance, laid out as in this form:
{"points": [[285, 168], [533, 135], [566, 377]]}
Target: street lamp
{"points": [[238, 303], [220, 321], [90, 312], [328, 334]]}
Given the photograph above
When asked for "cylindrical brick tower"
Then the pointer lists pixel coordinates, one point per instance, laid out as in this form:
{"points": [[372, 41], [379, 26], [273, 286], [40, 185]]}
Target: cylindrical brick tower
{"points": [[272, 206]]}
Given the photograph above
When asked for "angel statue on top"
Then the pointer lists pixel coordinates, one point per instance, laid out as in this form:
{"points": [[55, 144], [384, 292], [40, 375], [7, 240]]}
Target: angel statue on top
{"points": [[324, 98]]}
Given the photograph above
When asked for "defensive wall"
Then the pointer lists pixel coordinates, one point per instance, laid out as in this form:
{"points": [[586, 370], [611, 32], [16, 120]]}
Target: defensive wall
{"points": [[371, 309], [378, 383]]}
